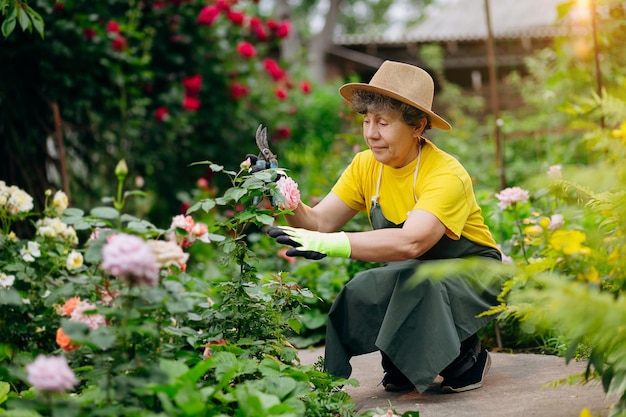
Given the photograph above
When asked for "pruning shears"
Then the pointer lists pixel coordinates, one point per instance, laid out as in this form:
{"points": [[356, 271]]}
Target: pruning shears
{"points": [[266, 158]]}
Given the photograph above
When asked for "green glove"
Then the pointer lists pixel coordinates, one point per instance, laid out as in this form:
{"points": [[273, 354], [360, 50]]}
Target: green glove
{"points": [[312, 245]]}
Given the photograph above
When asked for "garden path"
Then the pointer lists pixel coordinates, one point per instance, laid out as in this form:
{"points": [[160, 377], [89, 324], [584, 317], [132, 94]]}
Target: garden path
{"points": [[514, 387]]}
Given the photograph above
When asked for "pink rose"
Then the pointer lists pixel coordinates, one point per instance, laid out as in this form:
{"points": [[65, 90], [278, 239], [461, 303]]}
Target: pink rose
{"points": [[51, 374], [131, 258], [289, 190], [511, 196]]}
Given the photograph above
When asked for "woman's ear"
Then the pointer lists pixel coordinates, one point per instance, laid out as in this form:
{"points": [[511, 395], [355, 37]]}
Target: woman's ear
{"points": [[419, 129]]}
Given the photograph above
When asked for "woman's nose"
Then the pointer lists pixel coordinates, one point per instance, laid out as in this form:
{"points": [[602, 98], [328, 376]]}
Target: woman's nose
{"points": [[371, 131]]}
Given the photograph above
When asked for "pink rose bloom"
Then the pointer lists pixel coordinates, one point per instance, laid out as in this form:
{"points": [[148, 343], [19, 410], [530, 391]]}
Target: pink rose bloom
{"points": [[554, 172], [92, 320], [183, 222], [289, 190], [556, 221], [51, 374], [511, 196], [130, 257]]}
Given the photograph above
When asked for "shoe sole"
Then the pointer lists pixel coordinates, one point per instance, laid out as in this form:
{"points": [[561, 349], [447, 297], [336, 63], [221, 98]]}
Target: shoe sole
{"points": [[398, 388], [449, 389]]}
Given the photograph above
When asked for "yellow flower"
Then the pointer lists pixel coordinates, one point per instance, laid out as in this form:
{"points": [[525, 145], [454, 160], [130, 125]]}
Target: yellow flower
{"points": [[533, 230], [619, 133], [567, 241], [544, 222], [590, 275], [585, 413]]}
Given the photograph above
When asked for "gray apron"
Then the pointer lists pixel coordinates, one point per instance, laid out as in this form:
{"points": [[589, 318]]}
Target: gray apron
{"points": [[419, 327]]}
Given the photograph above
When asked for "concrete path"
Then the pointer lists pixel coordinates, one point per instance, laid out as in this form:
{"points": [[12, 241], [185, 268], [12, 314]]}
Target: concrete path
{"points": [[516, 386]]}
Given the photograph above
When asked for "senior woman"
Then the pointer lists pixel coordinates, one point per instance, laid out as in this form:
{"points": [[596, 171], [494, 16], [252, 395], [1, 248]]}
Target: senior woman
{"points": [[422, 207]]}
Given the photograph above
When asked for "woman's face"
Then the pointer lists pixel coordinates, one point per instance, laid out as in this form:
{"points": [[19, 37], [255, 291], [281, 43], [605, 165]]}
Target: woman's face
{"points": [[392, 141]]}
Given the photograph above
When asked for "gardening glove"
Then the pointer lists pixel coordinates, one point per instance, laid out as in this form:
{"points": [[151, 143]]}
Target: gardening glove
{"points": [[312, 245]]}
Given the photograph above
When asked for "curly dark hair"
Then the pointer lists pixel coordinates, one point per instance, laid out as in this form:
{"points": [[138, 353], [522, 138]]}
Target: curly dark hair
{"points": [[364, 101]]}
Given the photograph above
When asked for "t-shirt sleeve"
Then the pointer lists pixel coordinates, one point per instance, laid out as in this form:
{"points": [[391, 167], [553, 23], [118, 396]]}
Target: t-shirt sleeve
{"points": [[446, 197], [349, 188]]}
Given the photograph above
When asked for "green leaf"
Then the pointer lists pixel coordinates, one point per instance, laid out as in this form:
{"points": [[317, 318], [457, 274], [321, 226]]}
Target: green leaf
{"points": [[37, 21], [7, 26], [295, 325], [207, 205], [108, 213], [10, 297], [4, 391], [265, 219], [24, 19], [73, 212], [235, 193], [103, 337]]}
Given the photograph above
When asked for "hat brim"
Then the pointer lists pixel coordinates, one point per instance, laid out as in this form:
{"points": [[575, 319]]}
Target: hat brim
{"points": [[437, 121]]}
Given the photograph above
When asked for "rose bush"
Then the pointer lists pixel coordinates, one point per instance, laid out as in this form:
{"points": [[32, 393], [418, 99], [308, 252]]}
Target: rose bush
{"points": [[100, 317]]}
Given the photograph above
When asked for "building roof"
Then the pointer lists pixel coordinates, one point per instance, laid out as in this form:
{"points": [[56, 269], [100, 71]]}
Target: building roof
{"points": [[455, 20]]}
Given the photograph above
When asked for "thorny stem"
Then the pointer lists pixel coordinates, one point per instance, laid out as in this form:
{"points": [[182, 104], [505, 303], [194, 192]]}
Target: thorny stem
{"points": [[521, 232]]}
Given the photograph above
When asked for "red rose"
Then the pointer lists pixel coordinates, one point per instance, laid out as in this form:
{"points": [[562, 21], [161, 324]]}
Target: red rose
{"points": [[161, 114], [192, 85], [261, 33], [305, 87], [239, 90], [89, 33], [281, 93], [119, 43], [255, 22], [158, 5], [113, 27], [273, 69], [191, 103], [272, 24], [207, 15], [246, 50], [236, 18], [283, 29], [223, 5], [283, 132]]}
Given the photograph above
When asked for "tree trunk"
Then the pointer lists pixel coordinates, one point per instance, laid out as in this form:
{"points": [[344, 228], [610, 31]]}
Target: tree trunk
{"points": [[321, 42]]}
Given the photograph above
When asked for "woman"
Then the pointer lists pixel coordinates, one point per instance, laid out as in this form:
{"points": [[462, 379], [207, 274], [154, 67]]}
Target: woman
{"points": [[421, 206]]}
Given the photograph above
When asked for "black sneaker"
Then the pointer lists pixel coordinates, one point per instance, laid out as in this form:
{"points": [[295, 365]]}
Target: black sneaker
{"points": [[396, 383], [471, 379]]}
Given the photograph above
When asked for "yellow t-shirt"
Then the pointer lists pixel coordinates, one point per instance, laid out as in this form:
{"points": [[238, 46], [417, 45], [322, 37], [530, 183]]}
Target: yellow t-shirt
{"points": [[443, 188]]}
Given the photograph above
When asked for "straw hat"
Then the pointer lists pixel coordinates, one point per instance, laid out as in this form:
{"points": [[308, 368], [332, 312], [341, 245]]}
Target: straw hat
{"points": [[404, 82]]}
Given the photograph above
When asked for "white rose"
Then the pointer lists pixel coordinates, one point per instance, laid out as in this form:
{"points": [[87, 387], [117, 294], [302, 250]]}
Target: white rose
{"points": [[59, 201], [168, 253], [74, 260], [19, 201]]}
